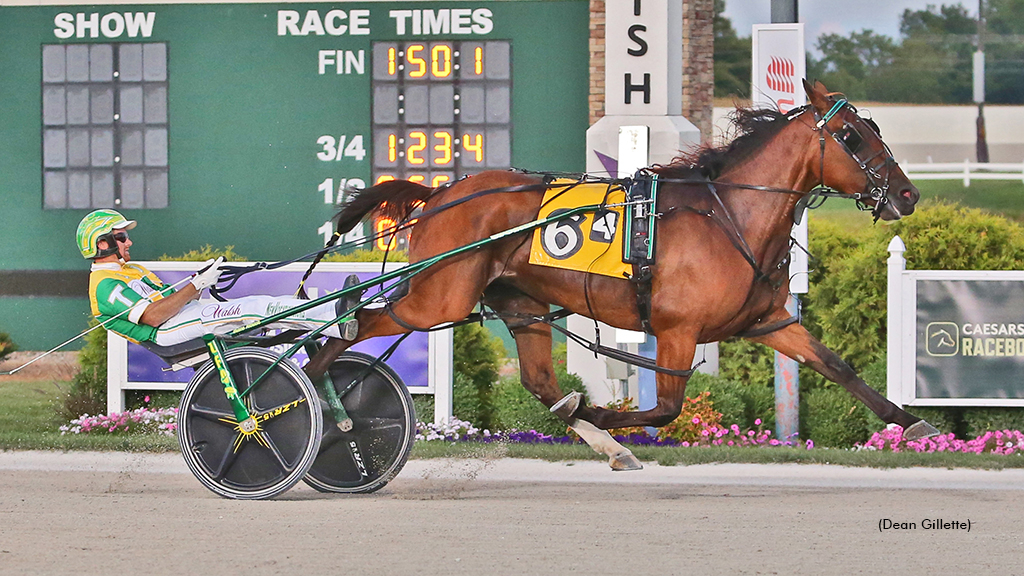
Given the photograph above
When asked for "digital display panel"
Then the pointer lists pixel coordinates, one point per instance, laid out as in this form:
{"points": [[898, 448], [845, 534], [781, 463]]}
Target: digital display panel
{"points": [[441, 109]]}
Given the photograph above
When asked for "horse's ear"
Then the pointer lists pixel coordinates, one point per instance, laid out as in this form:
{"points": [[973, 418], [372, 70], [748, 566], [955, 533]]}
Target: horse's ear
{"points": [[817, 95]]}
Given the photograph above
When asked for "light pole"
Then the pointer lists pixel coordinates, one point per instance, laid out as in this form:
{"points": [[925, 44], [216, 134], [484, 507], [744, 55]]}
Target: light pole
{"points": [[981, 147], [787, 370]]}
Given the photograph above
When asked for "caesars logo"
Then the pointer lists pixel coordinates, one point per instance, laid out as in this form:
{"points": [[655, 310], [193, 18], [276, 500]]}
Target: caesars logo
{"points": [[974, 339]]}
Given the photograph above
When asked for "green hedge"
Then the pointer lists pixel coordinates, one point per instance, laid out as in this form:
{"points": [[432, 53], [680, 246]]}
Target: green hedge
{"points": [[88, 391], [740, 404], [846, 310], [514, 407], [6, 345]]}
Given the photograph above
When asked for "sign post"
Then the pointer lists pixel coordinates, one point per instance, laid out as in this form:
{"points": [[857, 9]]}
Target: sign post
{"points": [[778, 65], [643, 125]]}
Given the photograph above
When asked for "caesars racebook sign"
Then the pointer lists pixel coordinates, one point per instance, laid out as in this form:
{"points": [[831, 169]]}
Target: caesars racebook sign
{"points": [[970, 339]]}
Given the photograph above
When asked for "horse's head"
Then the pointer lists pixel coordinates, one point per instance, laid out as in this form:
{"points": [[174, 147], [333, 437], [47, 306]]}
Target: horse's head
{"points": [[854, 160]]}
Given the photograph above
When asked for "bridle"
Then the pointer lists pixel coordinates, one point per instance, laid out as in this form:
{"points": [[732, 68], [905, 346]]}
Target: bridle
{"points": [[852, 142]]}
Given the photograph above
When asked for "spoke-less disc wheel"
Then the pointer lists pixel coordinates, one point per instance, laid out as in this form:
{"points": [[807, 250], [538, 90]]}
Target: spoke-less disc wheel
{"points": [[373, 451], [266, 461]]}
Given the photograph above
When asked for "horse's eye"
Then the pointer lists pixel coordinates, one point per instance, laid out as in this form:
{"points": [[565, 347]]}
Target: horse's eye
{"points": [[851, 139]]}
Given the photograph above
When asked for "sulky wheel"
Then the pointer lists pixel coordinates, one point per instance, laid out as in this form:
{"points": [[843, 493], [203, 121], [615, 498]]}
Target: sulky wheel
{"points": [[373, 451], [262, 463]]}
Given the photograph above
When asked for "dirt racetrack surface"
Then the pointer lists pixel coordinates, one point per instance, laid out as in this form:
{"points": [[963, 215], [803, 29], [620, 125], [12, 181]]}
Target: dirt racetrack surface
{"points": [[111, 513]]}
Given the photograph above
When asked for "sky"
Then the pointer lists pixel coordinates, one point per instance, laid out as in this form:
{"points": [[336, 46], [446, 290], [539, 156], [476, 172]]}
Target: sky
{"points": [[835, 16]]}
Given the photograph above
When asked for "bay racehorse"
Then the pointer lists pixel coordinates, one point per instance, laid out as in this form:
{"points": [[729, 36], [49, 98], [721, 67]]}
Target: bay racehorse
{"points": [[721, 263]]}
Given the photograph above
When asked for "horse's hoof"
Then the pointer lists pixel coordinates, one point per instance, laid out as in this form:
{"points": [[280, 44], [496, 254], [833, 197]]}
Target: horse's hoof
{"points": [[919, 430], [625, 461], [567, 406]]}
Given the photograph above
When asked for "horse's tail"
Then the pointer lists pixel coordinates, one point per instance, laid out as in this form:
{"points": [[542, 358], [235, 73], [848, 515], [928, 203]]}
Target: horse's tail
{"points": [[394, 199]]}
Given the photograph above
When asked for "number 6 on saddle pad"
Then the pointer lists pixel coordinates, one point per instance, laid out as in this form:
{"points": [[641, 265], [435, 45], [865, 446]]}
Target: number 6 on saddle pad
{"points": [[590, 242]]}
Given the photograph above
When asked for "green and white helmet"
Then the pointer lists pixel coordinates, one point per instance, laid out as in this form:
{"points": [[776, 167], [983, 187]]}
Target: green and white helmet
{"points": [[96, 225]]}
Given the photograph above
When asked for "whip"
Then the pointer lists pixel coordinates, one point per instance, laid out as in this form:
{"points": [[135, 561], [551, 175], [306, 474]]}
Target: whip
{"points": [[162, 292]]}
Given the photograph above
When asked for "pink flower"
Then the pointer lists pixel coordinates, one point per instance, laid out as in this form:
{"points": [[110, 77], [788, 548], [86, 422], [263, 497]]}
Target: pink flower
{"points": [[696, 420]]}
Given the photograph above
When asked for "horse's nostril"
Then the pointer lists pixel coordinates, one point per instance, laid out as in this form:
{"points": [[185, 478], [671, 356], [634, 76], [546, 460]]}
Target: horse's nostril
{"points": [[909, 194]]}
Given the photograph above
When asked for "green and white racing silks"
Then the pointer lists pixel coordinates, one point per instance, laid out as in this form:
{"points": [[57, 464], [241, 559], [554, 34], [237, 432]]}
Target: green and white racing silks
{"points": [[115, 288]]}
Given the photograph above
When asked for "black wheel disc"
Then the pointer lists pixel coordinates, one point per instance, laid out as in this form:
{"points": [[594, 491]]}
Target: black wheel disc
{"points": [[268, 461], [368, 456]]}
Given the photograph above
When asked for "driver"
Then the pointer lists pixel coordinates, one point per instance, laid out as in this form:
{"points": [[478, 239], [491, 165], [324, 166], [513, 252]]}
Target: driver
{"points": [[142, 308]]}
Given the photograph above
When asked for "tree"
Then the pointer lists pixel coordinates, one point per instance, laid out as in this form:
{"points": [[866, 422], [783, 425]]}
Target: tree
{"points": [[936, 42], [732, 57], [849, 63], [1004, 51]]}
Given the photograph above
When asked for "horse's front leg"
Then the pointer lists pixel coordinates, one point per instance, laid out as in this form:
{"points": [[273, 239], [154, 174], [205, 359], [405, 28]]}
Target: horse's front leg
{"points": [[537, 374], [675, 351], [796, 342]]}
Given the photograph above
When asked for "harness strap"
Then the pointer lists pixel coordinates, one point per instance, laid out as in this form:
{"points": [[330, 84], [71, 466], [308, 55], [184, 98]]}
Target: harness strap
{"points": [[301, 291], [549, 319], [622, 355], [767, 328], [641, 279]]}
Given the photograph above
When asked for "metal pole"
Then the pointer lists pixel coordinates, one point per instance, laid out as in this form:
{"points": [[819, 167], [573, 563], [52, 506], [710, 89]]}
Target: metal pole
{"points": [[787, 387], [981, 147], [787, 373], [784, 11]]}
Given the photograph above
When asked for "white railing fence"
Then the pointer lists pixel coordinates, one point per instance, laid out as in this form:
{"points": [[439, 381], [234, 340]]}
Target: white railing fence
{"points": [[965, 170]]}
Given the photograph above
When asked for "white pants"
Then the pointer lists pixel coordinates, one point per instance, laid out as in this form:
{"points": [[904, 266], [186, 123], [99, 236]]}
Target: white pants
{"points": [[201, 317]]}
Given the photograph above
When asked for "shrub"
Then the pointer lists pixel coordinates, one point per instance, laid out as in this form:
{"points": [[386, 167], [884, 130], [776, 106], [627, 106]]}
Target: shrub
{"points": [[739, 404], [515, 407], [722, 394], [206, 253], [423, 406], [846, 306], [747, 362], [88, 391], [948, 419], [469, 403], [367, 255], [759, 404], [830, 416], [476, 353], [6, 345], [978, 421], [696, 417]]}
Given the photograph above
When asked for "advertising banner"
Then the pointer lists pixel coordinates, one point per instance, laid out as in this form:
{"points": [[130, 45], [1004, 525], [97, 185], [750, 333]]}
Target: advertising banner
{"points": [[779, 64], [970, 339]]}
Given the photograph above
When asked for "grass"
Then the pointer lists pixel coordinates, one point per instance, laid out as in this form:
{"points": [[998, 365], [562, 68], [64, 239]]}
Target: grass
{"points": [[29, 421], [997, 196]]}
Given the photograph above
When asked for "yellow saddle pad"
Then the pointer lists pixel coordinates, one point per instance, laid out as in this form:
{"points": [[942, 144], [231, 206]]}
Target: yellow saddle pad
{"points": [[587, 242]]}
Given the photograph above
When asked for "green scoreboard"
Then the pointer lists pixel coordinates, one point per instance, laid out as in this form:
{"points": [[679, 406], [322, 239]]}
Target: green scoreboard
{"points": [[245, 124]]}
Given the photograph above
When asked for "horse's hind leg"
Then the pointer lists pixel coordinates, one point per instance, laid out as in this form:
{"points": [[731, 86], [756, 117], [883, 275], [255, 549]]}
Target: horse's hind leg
{"points": [[796, 342], [445, 293], [533, 342]]}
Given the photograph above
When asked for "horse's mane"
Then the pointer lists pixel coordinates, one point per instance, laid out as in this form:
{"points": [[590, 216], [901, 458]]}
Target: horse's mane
{"points": [[751, 127]]}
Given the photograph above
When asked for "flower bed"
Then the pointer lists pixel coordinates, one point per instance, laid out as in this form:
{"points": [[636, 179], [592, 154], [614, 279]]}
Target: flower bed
{"points": [[140, 421], [710, 435], [998, 442]]}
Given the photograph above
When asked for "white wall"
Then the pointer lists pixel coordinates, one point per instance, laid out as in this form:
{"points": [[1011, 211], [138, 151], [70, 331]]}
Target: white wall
{"points": [[941, 133]]}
